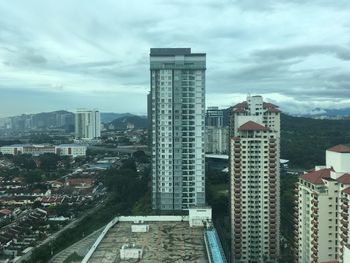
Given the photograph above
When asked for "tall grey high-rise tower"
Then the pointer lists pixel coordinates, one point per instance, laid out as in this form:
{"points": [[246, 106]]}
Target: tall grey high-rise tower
{"points": [[177, 114]]}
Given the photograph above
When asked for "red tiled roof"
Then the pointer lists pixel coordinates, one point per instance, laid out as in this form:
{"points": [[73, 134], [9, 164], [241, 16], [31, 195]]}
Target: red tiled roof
{"points": [[267, 104], [239, 110], [315, 177], [346, 190], [344, 179], [252, 126], [5, 211], [241, 105], [340, 148], [80, 181], [273, 110]]}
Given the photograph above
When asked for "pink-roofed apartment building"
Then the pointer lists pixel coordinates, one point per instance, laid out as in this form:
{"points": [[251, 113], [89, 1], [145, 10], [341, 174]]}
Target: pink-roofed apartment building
{"points": [[321, 217], [255, 185]]}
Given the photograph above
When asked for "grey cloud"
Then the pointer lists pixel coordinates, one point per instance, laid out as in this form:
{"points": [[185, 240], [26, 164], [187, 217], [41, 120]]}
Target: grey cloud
{"points": [[110, 47], [35, 58], [303, 51]]}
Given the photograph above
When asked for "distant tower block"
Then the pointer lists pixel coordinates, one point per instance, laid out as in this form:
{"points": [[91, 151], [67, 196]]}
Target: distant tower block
{"points": [[87, 124]]}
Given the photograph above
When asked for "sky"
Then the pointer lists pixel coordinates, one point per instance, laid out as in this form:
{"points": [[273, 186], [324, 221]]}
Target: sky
{"points": [[95, 54]]}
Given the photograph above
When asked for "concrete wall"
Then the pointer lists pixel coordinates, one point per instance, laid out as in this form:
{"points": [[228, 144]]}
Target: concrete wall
{"points": [[339, 161], [327, 210], [198, 215], [346, 258]]}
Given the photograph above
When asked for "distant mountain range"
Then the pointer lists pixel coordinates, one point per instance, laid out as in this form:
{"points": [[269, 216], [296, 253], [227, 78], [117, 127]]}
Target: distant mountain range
{"points": [[58, 120], [65, 120], [138, 122], [111, 116], [317, 113], [327, 113]]}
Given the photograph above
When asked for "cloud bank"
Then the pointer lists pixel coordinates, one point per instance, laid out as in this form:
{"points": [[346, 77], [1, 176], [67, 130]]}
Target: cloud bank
{"points": [[68, 54]]}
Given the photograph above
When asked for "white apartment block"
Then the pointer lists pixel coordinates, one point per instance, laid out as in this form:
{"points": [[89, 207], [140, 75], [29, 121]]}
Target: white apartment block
{"points": [[87, 124], [177, 111], [73, 150], [255, 183], [32, 149], [322, 210], [216, 140]]}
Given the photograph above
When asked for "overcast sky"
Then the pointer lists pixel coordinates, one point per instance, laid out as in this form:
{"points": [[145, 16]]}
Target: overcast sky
{"points": [[76, 53]]}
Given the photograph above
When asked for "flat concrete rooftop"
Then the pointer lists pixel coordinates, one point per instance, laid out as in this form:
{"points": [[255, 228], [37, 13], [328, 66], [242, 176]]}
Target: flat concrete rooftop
{"points": [[166, 242]]}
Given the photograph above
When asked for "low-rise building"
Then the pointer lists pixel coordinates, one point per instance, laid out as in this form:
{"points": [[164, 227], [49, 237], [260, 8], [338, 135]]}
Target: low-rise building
{"points": [[80, 182], [160, 238], [73, 150], [33, 149]]}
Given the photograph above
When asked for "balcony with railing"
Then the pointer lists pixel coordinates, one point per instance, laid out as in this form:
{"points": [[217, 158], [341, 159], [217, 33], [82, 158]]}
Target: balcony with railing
{"points": [[344, 214], [344, 237], [237, 160], [344, 222], [345, 206]]}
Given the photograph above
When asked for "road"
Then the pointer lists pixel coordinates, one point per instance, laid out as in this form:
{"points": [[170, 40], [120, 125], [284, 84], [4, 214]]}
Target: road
{"points": [[122, 149]]}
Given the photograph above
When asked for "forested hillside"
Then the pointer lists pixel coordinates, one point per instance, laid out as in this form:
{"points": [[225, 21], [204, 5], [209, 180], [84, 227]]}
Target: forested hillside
{"points": [[304, 140]]}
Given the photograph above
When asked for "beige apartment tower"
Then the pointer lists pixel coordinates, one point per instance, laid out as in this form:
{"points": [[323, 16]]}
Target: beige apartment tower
{"points": [[255, 183], [322, 198]]}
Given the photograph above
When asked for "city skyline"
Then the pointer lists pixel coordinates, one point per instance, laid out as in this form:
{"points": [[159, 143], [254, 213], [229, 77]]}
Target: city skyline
{"points": [[64, 59]]}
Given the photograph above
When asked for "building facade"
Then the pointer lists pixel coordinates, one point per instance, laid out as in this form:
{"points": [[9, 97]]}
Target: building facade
{"points": [[216, 134], [87, 124], [322, 210], [177, 113], [73, 150], [214, 117], [254, 173], [32, 149], [216, 140]]}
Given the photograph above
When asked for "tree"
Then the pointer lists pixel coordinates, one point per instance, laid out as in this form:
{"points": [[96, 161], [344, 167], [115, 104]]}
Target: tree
{"points": [[129, 164], [138, 154], [25, 161], [48, 161], [33, 176]]}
